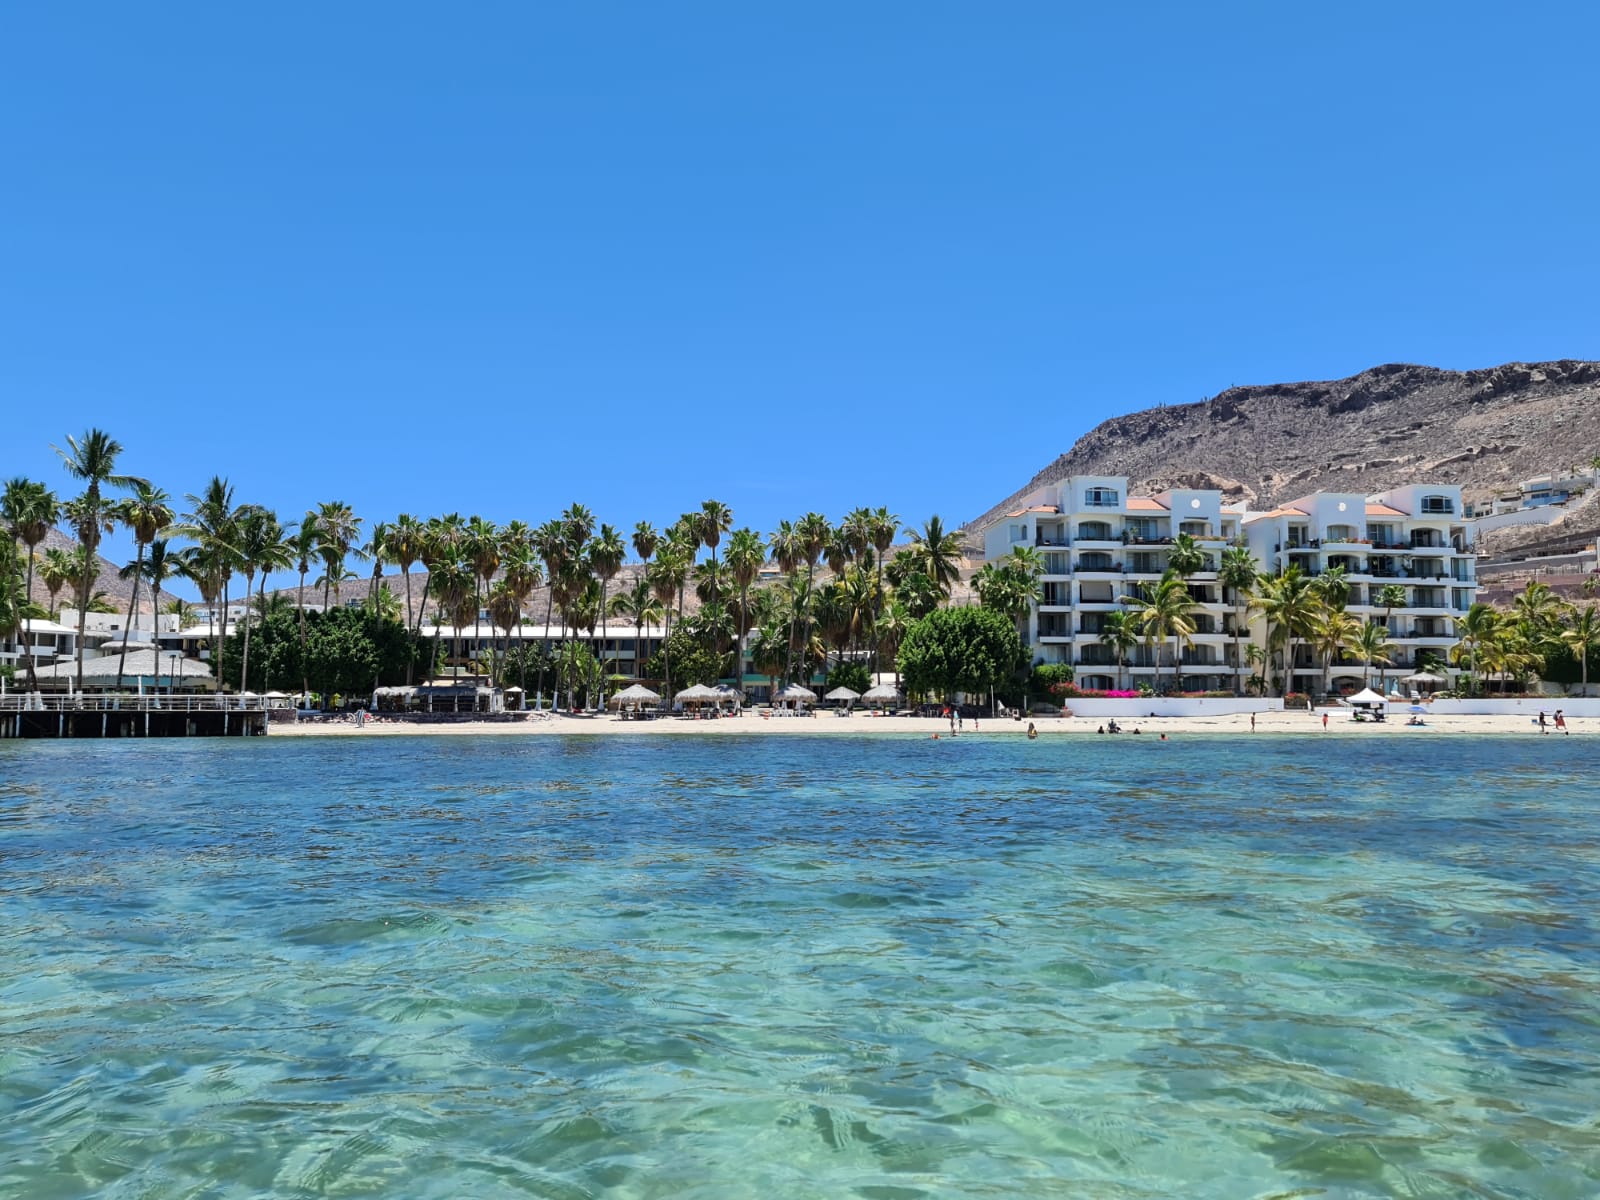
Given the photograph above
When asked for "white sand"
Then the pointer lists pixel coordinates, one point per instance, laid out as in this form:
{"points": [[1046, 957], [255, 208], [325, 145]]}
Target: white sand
{"points": [[1339, 725]]}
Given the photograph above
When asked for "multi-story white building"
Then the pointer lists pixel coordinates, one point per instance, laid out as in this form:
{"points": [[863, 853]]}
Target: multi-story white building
{"points": [[1413, 538], [1100, 546]]}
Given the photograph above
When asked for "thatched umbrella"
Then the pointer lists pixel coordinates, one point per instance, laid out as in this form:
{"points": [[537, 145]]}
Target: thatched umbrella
{"points": [[843, 694], [698, 694], [797, 694], [635, 697], [884, 693]]}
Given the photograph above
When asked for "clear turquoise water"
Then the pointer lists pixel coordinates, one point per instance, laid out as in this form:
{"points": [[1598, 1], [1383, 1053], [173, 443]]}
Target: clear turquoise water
{"points": [[788, 967]]}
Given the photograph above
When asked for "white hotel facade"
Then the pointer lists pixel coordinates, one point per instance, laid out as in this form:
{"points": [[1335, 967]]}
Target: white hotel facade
{"points": [[1101, 546]]}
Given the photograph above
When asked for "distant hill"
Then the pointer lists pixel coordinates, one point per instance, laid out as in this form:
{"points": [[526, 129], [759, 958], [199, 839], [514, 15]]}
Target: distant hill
{"points": [[117, 590], [1386, 426]]}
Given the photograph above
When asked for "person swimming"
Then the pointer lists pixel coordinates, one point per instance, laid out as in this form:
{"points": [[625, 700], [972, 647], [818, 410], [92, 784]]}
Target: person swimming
{"points": [[1032, 732]]}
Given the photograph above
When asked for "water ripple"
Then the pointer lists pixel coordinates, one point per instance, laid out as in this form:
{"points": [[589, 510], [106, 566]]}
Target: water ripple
{"points": [[553, 968]]}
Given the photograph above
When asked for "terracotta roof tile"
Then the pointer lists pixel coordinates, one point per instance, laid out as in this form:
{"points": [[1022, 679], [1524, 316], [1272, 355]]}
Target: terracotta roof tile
{"points": [[1145, 504]]}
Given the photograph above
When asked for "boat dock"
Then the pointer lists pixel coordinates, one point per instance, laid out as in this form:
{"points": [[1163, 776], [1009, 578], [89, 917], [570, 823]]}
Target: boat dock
{"points": [[33, 715]]}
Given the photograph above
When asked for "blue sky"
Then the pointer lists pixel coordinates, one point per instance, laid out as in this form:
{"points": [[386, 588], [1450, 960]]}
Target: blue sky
{"points": [[498, 258]]}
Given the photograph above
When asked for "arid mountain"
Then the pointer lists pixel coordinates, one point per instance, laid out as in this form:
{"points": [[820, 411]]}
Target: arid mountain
{"points": [[116, 590], [1386, 426]]}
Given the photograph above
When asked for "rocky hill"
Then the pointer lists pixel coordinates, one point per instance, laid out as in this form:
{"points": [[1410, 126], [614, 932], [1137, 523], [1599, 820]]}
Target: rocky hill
{"points": [[116, 590], [1386, 426]]}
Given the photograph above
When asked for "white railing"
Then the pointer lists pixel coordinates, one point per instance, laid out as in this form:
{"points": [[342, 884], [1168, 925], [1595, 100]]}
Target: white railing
{"points": [[40, 702]]}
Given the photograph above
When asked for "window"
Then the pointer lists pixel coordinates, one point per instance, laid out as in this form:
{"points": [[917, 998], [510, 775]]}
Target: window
{"points": [[1438, 504], [1100, 497]]}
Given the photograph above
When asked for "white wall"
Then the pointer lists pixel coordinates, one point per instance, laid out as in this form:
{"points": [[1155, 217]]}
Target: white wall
{"points": [[1173, 706], [1571, 706]]}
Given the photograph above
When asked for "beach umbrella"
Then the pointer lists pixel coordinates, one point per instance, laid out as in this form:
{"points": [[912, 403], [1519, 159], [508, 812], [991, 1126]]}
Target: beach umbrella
{"points": [[843, 693], [636, 695], [1417, 708], [884, 693], [1365, 697], [795, 692], [698, 694]]}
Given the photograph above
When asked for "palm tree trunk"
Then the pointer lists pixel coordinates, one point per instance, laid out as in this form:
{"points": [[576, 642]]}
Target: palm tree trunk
{"points": [[244, 662], [133, 603], [1238, 648], [305, 679], [84, 584], [544, 646], [411, 659], [27, 598], [601, 700]]}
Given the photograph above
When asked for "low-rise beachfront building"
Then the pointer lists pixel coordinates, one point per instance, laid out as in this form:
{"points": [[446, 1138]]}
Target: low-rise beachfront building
{"points": [[1100, 547]]}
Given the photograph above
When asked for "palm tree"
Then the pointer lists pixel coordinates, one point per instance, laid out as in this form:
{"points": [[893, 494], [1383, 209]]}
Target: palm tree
{"points": [[1372, 643], [1290, 607], [303, 546], [405, 547], [550, 541], [522, 576], [261, 546], [147, 513], [1390, 597], [641, 604], [1582, 636], [505, 610], [883, 527], [29, 509], [1119, 633], [213, 525], [1476, 627], [481, 546], [1186, 555], [1165, 610], [58, 568], [894, 619], [1238, 573], [159, 566], [93, 459], [1332, 588], [338, 532], [783, 547], [745, 556], [1538, 608], [1332, 632], [645, 541], [716, 518], [606, 552], [938, 554], [812, 531], [667, 575]]}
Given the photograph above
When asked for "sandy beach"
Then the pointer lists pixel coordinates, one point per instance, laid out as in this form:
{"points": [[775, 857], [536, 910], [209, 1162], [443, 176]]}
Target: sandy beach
{"points": [[1299, 723]]}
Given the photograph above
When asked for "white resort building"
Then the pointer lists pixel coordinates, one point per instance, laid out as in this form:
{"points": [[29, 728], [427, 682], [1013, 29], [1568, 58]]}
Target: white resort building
{"points": [[1101, 546]]}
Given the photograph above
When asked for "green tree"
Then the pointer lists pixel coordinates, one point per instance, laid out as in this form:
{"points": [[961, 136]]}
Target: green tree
{"points": [[938, 554], [692, 660], [852, 675], [1165, 609], [1239, 574], [1581, 638], [93, 460], [29, 509], [969, 650], [1119, 633], [745, 556], [1372, 643]]}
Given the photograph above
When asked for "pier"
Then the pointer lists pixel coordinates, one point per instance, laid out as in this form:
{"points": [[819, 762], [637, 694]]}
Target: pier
{"points": [[33, 715]]}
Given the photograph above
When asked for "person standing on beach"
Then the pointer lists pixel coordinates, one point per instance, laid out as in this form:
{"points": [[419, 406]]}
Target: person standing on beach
{"points": [[1252, 722], [1561, 722], [1324, 720], [1542, 729]]}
